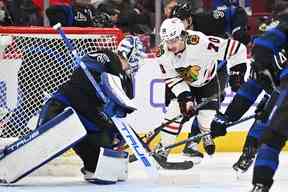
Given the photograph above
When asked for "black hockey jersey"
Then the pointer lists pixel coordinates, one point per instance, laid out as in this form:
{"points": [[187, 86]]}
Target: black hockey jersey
{"points": [[225, 21], [79, 92]]}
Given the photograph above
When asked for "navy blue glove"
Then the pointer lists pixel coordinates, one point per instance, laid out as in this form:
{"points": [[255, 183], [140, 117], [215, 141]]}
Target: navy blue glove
{"points": [[219, 125], [236, 77], [261, 108]]}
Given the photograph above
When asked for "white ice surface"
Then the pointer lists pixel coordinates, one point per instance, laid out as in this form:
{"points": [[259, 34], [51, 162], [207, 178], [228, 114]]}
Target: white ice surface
{"points": [[214, 174]]}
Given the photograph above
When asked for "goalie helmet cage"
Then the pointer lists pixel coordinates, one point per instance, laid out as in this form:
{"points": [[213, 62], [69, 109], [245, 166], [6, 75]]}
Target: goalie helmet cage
{"points": [[34, 62]]}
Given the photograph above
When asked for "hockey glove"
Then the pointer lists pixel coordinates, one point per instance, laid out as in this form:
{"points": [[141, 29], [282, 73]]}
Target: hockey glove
{"points": [[187, 109], [261, 107], [218, 125], [242, 36], [236, 78]]}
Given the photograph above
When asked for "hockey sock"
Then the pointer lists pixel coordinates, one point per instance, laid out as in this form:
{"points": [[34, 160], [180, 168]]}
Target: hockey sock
{"points": [[169, 133], [243, 100], [194, 128], [265, 165], [257, 129]]}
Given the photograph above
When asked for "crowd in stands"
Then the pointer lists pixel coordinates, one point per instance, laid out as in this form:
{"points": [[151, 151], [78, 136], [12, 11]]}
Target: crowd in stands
{"points": [[131, 16]]}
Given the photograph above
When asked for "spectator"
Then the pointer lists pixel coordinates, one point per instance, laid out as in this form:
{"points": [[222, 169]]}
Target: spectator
{"points": [[135, 22], [147, 10], [168, 6], [5, 18], [84, 13], [59, 12], [25, 13], [107, 16], [40, 3], [197, 6]]}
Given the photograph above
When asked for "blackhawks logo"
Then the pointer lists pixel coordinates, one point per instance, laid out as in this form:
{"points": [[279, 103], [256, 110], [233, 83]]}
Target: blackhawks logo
{"points": [[160, 50], [193, 39], [190, 73]]}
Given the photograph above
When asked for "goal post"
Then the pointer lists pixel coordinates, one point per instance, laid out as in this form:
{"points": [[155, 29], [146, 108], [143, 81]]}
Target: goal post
{"points": [[34, 62]]}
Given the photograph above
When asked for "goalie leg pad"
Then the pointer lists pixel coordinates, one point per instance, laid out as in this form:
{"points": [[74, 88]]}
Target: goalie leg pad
{"points": [[112, 166], [40, 146]]}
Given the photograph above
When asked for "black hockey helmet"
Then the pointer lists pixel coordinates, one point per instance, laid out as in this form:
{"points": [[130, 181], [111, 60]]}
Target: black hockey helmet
{"points": [[182, 10]]}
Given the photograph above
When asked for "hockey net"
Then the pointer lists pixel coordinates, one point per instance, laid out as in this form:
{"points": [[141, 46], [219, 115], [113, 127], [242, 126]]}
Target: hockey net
{"points": [[34, 62]]}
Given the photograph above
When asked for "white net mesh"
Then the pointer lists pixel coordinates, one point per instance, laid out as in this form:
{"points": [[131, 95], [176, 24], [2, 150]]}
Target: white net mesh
{"points": [[32, 67]]}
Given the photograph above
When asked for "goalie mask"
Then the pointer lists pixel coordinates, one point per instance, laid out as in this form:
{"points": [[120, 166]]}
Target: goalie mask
{"points": [[132, 49]]}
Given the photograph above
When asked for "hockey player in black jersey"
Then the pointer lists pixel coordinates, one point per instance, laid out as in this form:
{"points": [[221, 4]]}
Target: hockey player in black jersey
{"points": [[113, 72], [247, 95], [270, 69]]}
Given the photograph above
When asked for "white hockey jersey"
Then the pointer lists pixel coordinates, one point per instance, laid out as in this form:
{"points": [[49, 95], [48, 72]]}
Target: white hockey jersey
{"points": [[197, 64]]}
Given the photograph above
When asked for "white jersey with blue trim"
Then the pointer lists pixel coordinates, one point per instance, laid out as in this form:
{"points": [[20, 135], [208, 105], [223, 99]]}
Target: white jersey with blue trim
{"points": [[196, 66]]}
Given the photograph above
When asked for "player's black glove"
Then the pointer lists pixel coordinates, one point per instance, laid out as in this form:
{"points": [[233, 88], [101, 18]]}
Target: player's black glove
{"points": [[219, 125], [242, 36], [186, 105], [236, 77], [260, 108]]}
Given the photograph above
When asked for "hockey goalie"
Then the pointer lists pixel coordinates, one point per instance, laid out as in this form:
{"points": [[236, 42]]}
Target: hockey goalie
{"points": [[75, 117]]}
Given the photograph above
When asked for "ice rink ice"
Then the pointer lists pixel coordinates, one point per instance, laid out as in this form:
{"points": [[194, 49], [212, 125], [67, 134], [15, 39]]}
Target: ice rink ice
{"points": [[213, 174]]}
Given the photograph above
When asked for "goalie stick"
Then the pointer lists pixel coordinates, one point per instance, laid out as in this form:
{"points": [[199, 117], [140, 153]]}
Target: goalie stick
{"points": [[131, 139], [73, 50], [152, 134]]}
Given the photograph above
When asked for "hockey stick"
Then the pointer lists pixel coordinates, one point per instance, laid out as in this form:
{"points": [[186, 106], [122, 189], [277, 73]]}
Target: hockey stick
{"points": [[162, 162], [229, 124], [137, 146], [124, 129], [190, 139], [152, 134], [73, 50], [200, 135], [155, 132]]}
